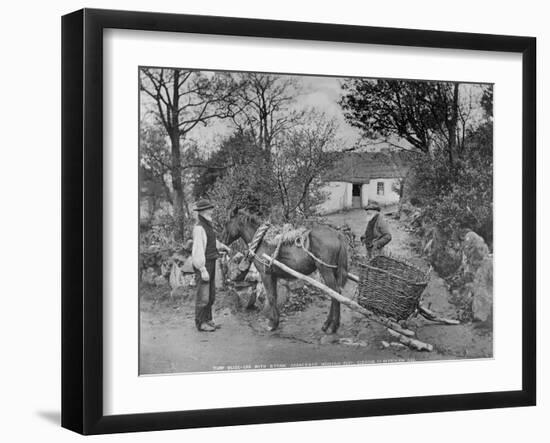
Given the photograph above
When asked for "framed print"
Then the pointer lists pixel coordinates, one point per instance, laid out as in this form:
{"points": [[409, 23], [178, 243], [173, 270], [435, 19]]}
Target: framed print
{"points": [[271, 221]]}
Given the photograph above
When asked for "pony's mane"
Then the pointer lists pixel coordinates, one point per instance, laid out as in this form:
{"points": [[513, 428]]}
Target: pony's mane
{"points": [[248, 217]]}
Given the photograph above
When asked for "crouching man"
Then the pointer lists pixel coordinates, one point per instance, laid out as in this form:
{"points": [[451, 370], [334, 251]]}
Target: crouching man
{"points": [[204, 255], [377, 235]]}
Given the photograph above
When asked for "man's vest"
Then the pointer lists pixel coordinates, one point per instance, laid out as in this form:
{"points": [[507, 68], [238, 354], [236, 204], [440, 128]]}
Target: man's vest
{"points": [[210, 252]]}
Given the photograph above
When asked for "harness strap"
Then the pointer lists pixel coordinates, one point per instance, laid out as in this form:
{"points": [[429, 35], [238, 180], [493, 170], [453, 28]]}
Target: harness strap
{"points": [[276, 252], [300, 244], [255, 243], [253, 247]]}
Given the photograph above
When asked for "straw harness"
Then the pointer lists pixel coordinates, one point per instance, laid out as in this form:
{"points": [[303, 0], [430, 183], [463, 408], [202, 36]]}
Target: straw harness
{"points": [[257, 240]]}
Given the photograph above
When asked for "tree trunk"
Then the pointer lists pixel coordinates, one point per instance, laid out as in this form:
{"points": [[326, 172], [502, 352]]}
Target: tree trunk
{"points": [[452, 125], [179, 215]]}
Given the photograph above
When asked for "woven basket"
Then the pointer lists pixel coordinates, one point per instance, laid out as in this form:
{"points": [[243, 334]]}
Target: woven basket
{"points": [[390, 287]]}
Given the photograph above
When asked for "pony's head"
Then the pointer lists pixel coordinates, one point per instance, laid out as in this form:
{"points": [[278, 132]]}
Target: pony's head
{"points": [[239, 221], [233, 227]]}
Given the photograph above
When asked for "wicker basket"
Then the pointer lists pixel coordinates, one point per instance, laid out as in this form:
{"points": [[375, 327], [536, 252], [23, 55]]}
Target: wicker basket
{"points": [[390, 287]]}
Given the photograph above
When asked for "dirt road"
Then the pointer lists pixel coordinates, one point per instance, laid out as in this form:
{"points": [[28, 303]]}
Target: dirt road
{"points": [[171, 344]]}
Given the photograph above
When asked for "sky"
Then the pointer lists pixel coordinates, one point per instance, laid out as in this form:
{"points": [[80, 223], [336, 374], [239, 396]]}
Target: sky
{"points": [[320, 93]]}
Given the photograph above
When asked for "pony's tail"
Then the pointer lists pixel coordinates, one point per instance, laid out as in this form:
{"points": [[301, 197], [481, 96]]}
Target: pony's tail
{"points": [[342, 270]]}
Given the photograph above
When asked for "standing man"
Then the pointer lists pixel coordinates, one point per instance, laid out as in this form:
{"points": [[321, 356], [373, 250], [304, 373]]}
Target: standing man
{"points": [[204, 255], [377, 235]]}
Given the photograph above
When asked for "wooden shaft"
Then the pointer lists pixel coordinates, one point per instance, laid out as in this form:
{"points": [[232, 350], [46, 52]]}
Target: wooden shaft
{"points": [[339, 297], [413, 343], [432, 316]]}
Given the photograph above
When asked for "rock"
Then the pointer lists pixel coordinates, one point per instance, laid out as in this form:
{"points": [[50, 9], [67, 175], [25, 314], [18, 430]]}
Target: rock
{"points": [[159, 280], [148, 276], [351, 342], [328, 339], [253, 274], [233, 271], [482, 291], [189, 280], [436, 297], [284, 292], [247, 297], [475, 250], [294, 285], [444, 253], [385, 344]]}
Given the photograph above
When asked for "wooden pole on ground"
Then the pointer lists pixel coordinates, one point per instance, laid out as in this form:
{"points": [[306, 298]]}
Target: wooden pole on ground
{"points": [[339, 297], [432, 316], [413, 343]]}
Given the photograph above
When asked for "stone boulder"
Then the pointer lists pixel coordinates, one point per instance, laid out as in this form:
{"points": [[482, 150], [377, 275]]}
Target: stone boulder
{"points": [[477, 264], [482, 291], [159, 280], [148, 275], [475, 251], [444, 253], [436, 297], [247, 295]]}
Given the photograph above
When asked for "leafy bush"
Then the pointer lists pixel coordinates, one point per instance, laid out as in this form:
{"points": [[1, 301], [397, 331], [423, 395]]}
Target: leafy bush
{"points": [[244, 186], [458, 196], [282, 184]]}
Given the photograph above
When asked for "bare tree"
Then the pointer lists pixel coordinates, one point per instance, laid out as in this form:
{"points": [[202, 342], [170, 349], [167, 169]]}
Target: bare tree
{"points": [[299, 162], [264, 107], [181, 99]]}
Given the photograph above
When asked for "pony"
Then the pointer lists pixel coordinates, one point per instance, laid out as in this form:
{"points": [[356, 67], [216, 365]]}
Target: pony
{"points": [[326, 244]]}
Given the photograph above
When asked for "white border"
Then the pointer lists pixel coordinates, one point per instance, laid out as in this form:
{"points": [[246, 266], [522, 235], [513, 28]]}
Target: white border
{"points": [[125, 392]]}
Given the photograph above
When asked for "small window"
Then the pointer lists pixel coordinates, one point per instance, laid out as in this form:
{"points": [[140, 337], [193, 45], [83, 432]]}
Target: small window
{"points": [[380, 188]]}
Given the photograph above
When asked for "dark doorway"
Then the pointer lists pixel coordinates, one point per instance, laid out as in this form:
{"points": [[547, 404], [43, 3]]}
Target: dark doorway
{"points": [[356, 195]]}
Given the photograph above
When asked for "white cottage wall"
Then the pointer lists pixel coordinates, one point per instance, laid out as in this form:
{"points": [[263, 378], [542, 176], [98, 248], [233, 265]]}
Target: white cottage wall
{"points": [[364, 195], [389, 196], [339, 197]]}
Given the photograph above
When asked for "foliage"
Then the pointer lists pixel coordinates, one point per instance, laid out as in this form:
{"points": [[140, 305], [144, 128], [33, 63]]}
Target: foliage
{"points": [[425, 114], [264, 103], [450, 125], [247, 184], [236, 150], [283, 185], [179, 100], [299, 162], [160, 236], [460, 196], [154, 152]]}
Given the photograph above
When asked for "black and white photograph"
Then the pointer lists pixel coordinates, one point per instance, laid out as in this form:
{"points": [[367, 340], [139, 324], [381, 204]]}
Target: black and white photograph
{"points": [[275, 221], [294, 221]]}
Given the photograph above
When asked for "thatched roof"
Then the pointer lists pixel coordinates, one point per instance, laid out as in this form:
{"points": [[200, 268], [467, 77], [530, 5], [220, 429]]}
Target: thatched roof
{"points": [[361, 167]]}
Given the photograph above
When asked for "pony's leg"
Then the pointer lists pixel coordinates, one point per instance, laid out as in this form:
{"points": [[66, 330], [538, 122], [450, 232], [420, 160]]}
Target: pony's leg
{"points": [[271, 309], [332, 322]]}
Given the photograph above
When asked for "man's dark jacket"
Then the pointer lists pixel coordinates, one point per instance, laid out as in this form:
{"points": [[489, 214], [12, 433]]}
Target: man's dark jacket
{"points": [[377, 234]]}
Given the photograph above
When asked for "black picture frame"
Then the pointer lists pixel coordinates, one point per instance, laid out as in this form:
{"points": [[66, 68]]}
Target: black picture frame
{"points": [[82, 219]]}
